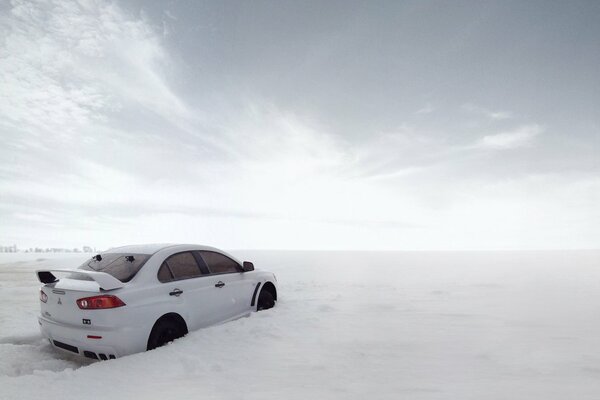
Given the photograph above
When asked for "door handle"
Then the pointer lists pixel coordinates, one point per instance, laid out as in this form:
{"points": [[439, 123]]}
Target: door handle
{"points": [[176, 292], [219, 284]]}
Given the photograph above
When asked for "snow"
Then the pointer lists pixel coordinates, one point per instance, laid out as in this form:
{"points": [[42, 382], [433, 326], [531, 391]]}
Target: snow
{"points": [[351, 325]]}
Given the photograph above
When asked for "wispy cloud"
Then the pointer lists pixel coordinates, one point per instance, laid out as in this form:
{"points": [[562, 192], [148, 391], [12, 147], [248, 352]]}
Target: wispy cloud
{"points": [[396, 173], [495, 115], [426, 109], [65, 65], [521, 136]]}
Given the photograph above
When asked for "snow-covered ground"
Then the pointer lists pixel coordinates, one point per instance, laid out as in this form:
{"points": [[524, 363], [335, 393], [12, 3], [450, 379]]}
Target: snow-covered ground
{"points": [[349, 325]]}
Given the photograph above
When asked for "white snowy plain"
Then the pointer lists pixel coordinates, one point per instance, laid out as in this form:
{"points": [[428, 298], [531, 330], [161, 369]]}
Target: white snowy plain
{"points": [[348, 325]]}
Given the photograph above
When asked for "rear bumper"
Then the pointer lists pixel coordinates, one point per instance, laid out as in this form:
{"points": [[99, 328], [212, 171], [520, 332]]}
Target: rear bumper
{"points": [[103, 344]]}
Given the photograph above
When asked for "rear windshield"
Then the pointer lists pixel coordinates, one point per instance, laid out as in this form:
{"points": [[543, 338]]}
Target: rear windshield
{"points": [[122, 266]]}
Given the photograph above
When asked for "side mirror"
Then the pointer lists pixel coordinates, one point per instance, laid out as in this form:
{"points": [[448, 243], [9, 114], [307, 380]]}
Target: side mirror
{"points": [[248, 266]]}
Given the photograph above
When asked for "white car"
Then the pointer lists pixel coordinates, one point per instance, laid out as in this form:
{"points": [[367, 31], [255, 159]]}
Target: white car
{"points": [[136, 298]]}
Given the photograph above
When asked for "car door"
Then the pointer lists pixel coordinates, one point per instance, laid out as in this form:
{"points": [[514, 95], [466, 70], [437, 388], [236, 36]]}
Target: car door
{"points": [[233, 287], [190, 293]]}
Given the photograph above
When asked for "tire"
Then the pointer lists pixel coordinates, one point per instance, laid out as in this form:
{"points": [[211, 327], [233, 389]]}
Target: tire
{"points": [[164, 331], [265, 300]]}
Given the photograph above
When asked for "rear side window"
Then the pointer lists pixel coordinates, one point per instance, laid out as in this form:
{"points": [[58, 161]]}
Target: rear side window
{"points": [[219, 263], [179, 266], [120, 265], [164, 273]]}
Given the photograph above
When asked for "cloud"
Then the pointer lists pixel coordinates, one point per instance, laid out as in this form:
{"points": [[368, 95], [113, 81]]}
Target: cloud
{"points": [[522, 136], [66, 65], [398, 153], [170, 15], [427, 109], [492, 115], [397, 173]]}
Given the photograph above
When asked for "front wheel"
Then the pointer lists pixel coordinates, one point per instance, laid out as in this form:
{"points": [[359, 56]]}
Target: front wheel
{"points": [[265, 300]]}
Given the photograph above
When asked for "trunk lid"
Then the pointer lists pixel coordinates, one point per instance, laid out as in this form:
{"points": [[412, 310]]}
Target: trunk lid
{"points": [[61, 304]]}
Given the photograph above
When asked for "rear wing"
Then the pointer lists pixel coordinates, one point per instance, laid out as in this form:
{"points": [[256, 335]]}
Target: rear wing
{"points": [[104, 280]]}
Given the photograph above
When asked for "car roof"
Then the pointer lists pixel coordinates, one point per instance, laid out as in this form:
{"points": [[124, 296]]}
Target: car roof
{"points": [[149, 248], [152, 248]]}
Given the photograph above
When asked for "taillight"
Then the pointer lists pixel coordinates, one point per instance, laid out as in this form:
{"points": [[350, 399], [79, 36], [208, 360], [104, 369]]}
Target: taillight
{"points": [[99, 302], [43, 296]]}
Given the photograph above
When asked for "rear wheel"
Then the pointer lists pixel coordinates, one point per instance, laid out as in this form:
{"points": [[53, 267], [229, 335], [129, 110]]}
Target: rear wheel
{"points": [[265, 300], [164, 331]]}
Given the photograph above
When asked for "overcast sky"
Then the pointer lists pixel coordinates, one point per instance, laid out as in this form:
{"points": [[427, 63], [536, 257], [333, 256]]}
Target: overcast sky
{"points": [[301, 125]]}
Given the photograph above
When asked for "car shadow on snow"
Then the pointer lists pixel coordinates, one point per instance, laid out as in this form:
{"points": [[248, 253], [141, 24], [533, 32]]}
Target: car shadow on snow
{"points": [[26, 355]]}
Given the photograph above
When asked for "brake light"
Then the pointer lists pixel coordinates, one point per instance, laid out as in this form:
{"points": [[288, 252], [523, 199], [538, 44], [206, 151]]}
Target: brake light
{"points": [[43, 296], [99, 302]]}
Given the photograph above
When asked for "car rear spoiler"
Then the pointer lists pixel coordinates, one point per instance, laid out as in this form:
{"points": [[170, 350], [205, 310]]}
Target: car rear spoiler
{"points": [[104, 280]]}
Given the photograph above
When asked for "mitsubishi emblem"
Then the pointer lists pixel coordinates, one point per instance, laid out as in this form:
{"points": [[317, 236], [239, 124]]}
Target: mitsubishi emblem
{"points": [[59, 302]]}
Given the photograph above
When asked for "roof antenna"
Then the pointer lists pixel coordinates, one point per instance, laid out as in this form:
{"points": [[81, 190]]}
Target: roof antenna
{"points": [[97, 257]]}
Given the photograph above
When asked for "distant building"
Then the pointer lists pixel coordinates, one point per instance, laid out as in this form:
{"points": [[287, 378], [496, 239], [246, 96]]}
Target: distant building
{"points": [[15, 249], [9, 249]]}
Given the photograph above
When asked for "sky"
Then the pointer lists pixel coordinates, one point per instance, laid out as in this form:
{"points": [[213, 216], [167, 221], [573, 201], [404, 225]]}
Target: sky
{"points": [[413, 125]]}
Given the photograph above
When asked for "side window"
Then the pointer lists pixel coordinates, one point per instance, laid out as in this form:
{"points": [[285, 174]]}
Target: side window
{"points": [[218, 263], [201, 263], [164, 273], [183, 265]]}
